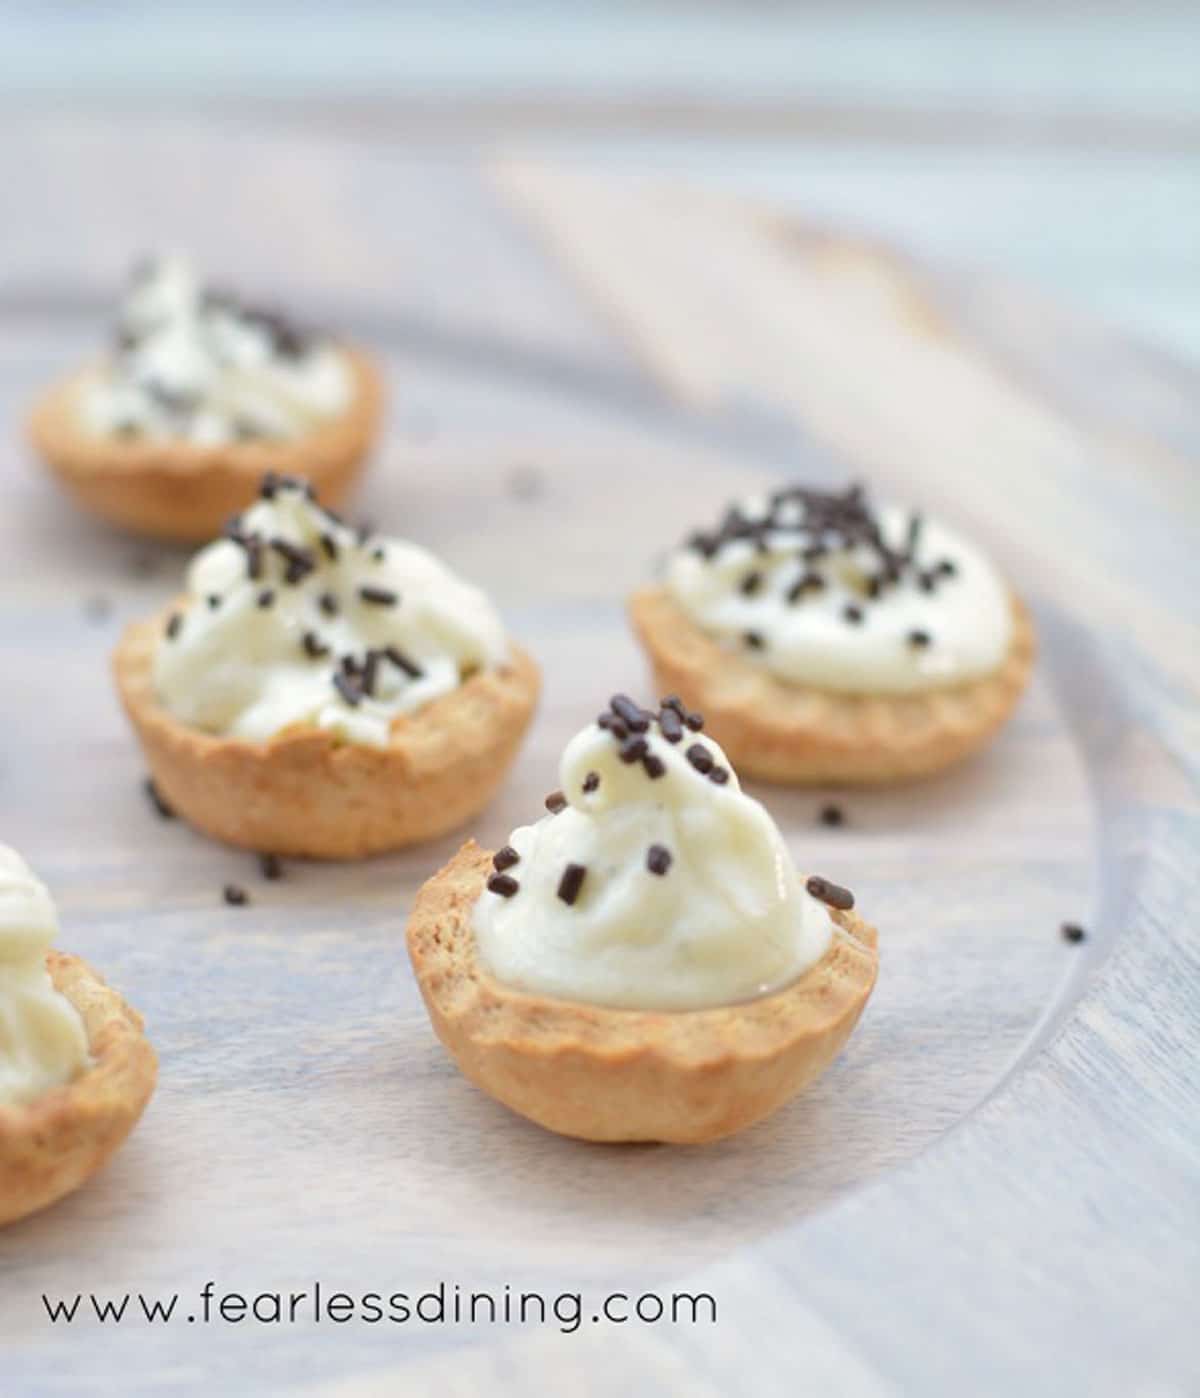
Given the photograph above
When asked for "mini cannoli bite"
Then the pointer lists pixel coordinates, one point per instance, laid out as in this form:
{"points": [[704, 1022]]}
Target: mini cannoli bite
{"points": [[644, 962], [76, 1070], [318, 690], [830, 641], [169, 432]]}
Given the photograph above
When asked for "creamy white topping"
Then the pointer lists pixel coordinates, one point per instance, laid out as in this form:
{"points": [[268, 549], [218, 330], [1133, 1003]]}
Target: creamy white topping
{"points": [[196, 365], [298, 619], [821, 591], [42, 1039], [688, 898]]}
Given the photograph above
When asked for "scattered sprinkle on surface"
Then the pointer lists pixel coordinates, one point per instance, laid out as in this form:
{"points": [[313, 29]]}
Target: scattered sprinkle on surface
{"points": [[157, 800]]}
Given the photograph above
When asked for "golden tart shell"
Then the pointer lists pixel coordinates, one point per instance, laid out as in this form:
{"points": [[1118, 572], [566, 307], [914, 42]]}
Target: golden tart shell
{"points": [[605, 1074], [51, 1146], [777, 731], [305, 792], [186, 491]]}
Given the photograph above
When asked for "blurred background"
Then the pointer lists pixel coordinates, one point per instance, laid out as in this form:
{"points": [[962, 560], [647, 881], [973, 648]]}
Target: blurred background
{"points": [[1054, 144]]}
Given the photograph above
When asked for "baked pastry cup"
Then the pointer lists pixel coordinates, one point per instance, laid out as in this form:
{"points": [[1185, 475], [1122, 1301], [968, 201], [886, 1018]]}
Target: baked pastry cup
{"points": [[604, 1074], [172, 488], [306, 792], [778, 731], [55, 1144]]}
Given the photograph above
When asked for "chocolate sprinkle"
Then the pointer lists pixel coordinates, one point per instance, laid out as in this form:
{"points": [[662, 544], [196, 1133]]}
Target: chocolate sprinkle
{"points": [[235, 895], [612, 724], [634, 748], [751, 584], [214, 600], [270, 866], [157, 800], [266, 598], [806, 582], [654, 766], [658, 859], [919, 639], [174, 625], [378, 596], [719, 775], [556, 802], [330, 545], [1072, 932], [571, 882], [832, 815], [670, 725], [346, 687], [831, 893], [852, 613], [300, 562], [694, 721], [915, 524], [754, 640], [314, 647], [591, 782], [674, 702], [632, 715], [370, 670], [700, 758], [503, 884], [504, 858], [328, 603], [402, 662]]}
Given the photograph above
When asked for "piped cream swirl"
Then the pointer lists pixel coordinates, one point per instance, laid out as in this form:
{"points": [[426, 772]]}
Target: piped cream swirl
{"points": [[197, 365], [42, 1038], [821, 591], [298, 619], [688, 898]]}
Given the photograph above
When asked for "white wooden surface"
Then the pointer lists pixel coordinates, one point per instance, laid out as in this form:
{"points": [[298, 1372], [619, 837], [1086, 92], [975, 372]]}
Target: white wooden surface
{"points": [[996, 1188]]}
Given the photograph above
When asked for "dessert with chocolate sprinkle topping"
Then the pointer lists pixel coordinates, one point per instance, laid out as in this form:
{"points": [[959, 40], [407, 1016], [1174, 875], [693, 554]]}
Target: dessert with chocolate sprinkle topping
{"points": [[76, 1070], [830, 640], [170, 432], [304, 660], [653, 919]]}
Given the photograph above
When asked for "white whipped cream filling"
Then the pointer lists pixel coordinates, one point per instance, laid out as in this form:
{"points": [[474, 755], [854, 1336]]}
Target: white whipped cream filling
{"points": [[43, 1042], [930, 627], [195, 365], [728, 920], [233, 659]]}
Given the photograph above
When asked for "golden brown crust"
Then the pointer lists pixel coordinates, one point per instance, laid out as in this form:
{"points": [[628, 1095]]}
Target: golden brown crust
{"points": [[781, 732], [53, 1145], [305, 792], [184, 491], [628, 1075]]}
